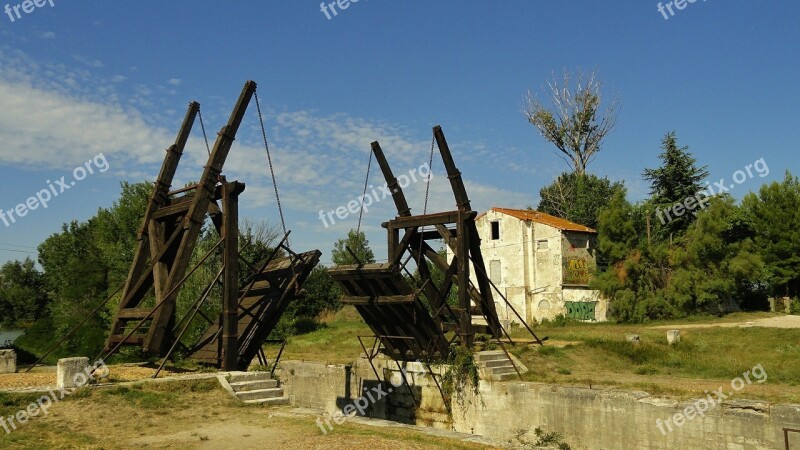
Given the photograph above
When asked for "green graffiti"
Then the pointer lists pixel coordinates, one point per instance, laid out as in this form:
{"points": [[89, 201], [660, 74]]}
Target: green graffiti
{"points": [[581, 310]]}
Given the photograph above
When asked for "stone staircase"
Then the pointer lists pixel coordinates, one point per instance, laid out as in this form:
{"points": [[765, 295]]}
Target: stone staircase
{"points": [[256, 388], [495, 365]]}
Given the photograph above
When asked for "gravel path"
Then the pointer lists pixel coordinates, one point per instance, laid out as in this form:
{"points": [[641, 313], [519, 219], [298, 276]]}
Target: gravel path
{"points": [[45, 377], [770, 322]]}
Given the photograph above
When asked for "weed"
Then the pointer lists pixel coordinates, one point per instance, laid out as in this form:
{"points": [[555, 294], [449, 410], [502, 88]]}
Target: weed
{"points": [[138, 397], [543, 439], [646, 370], [462, 373], [549, 350], [548, 439], [794, 306]]}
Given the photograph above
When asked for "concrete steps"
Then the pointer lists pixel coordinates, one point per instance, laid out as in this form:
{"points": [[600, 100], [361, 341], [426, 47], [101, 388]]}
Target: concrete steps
{"points": [[257, 388], [495, 365]]}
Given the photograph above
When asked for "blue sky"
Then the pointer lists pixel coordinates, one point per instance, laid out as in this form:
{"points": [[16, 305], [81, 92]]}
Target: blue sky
{"points": [[81, 78]]}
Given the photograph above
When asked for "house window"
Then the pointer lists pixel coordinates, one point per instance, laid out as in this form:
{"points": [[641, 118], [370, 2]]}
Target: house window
{"points": [[495, 231], [578, 241], [494, 271], [543, 244]]}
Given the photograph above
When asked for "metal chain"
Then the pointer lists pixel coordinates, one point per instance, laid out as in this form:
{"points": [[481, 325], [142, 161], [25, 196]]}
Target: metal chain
{"points": [[430, 172], [366, 182], [427, 194], [203, 127], [271, 167]]}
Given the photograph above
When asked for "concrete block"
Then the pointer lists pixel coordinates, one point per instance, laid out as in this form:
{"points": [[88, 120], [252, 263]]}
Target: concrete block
{"points": [[673, 337], [8, 361], [633, 339], [72, 372]]}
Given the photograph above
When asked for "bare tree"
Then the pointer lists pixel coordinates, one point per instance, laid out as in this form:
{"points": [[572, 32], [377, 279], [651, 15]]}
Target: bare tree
{"points": [[574, 122], [258, 232], [557, 198]]}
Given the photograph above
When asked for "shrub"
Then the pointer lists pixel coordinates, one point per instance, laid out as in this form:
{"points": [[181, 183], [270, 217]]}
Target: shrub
{"points": [[794, 306]]}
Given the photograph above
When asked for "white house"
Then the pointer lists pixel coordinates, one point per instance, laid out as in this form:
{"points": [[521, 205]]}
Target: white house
{"points": [[541, 263]]}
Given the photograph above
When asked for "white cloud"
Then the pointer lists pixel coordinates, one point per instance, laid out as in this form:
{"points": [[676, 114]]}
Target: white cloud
{"points": [[55, 116], [51, 129], [174, 81], [93, 63]]}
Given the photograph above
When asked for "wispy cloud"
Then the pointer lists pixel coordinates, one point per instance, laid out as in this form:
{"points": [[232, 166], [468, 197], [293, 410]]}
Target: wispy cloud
{"points": [[93, 63], [58, 116]]}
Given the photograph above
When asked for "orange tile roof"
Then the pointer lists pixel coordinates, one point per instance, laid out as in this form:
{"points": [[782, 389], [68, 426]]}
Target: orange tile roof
{"points": [[545, 219]]}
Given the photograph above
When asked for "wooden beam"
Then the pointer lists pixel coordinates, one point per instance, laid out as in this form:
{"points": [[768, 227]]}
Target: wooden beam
{"points": [[453, 174], [391, 182], [158, 198], [464, 298], [172, 210], [230, 302], [381, 299], [193, 222], [133, 313], [443, 218]]}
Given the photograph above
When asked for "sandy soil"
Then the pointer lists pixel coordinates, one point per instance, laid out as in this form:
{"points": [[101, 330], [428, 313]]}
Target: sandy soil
{"points": [[769, 322], [45, 377]]}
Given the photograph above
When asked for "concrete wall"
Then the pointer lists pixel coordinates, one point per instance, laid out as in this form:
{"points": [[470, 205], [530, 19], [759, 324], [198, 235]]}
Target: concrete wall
{"points": [[330, 388], [588, 418], [8, 361]]}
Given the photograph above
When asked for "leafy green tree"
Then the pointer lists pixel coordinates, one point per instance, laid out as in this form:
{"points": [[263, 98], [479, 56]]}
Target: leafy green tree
{"points": [[718, 262], [116, 229], [578, 197], [715, 264], [676, 180], [775, 213], [76, 277], [23, 298], [322, 294], [358, 243], [616, 231], [574, 121], [87, 260]]}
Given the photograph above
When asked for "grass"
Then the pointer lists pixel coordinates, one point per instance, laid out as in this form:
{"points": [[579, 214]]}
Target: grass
{"points": [[598, 354], [706, 357], [187, 415], [336, 342]]}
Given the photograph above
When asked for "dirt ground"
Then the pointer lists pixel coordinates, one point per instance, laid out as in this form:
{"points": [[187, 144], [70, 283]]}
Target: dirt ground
{"points": [[200, 415], [768, 322], [227, 435], [45, 377]]}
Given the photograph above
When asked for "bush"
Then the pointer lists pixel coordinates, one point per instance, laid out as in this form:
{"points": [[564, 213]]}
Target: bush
{"points": [[559, 321], [290, 326], [794, 306], [627, 307]]}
